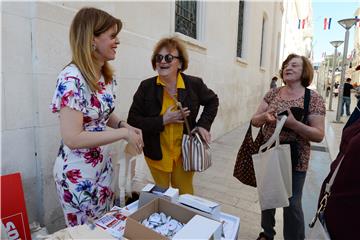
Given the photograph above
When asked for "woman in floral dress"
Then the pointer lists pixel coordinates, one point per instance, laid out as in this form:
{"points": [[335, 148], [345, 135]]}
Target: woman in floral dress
{"points": [[84, 99]]}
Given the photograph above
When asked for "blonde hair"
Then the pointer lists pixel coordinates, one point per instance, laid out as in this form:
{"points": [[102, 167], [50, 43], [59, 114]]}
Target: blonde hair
{"points": [[170, 44], [87, 24]]}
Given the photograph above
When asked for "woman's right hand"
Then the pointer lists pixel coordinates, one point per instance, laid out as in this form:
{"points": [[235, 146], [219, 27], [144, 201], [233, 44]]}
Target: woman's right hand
{"points": [[270, 116], [135, 140], [174, 116]]}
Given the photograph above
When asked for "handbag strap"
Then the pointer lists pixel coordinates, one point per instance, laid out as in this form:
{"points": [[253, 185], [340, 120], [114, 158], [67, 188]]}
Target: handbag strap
{"points": [[306, 105], [327, 193], [331, 181], [179, 105]]}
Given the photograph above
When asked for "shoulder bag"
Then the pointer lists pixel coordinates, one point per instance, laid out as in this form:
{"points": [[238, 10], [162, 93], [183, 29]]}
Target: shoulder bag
{"points": [[317, 226], [244, 168]]}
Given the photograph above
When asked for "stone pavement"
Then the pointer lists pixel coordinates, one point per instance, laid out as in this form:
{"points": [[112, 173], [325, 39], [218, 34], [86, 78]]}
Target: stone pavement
{"points": [[218, 183]]}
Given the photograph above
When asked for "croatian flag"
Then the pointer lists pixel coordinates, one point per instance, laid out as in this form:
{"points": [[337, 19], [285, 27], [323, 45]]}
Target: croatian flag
{"points": [[301, 24], [357, 24], [327, 23]]}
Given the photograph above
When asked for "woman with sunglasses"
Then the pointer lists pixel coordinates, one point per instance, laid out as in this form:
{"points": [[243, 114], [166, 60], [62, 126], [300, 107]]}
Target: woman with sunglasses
{"points": [[154, 111]]}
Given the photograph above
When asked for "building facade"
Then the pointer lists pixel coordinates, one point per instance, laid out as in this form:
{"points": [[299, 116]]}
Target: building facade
{"points": [[233, 46], [353, 73]]}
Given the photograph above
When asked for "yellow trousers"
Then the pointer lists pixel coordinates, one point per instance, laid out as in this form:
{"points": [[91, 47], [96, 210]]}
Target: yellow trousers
{"points": [[178, 178]]}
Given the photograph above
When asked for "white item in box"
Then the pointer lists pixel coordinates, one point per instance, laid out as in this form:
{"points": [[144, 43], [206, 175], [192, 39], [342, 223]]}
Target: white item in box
{"points": [[200, 227], [114, 221], [151, 191], [201, 203]]}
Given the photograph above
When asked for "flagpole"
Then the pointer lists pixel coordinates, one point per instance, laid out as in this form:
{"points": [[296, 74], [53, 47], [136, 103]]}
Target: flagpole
{"points": [[335, 44]]}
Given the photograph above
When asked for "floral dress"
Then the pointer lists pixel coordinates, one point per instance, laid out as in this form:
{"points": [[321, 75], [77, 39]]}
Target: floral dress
{"points": [[83, 176]]}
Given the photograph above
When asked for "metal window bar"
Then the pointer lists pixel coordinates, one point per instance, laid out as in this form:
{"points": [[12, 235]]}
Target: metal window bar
{"points": [[262, 42], [240, 29], [185, 18]]}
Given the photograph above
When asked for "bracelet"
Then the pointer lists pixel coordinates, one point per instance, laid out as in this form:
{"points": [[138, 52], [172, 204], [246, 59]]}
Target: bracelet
{"points": [[119, 124]]}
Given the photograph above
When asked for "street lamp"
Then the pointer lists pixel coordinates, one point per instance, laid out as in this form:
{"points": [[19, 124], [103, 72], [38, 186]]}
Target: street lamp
{"points": [[347, 24], [335, 44]]}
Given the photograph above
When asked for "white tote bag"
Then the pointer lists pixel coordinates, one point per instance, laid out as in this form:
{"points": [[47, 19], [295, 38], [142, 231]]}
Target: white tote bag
{"points": [[134, 173], [273, 171]]}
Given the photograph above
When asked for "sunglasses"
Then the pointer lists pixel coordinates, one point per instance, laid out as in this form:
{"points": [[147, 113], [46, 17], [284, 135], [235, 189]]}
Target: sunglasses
{"points": [[168, 58]]}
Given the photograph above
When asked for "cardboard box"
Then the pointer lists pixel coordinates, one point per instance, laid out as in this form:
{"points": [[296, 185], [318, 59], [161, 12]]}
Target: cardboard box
{"points": [[201, 204], [135, 230], [151, 192]]}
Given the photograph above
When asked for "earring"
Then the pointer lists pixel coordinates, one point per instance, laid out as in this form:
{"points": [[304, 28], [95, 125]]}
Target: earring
{"points": [[94, 47]]}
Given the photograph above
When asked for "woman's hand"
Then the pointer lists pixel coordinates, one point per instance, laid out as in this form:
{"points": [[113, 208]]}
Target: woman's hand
{"points": [[263, 115], [174, 116], [136, 130], [270, 116], [205, 134], [135, 138], [290, 121]]}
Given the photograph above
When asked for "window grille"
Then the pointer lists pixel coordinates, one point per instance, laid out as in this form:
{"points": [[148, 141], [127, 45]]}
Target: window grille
{"points": [[262, 41], [185, 18], [240, 29]]}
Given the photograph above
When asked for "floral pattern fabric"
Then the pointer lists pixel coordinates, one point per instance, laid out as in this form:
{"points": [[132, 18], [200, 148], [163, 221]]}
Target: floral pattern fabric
{"points": [[83, 176], [316, 107]]}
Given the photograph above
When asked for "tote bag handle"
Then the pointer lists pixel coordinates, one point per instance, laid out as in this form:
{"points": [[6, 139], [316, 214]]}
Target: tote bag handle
{"points": [[275, 137]]}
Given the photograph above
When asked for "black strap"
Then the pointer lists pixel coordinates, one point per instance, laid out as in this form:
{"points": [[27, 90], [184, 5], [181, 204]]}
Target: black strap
{"points": [[306, 105]]}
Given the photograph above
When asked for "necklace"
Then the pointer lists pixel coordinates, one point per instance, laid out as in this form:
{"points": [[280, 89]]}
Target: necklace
{"points": [[171, 91]]}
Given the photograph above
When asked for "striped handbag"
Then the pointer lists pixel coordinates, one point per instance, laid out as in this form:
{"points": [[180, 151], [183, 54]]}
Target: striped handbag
{"points": [[196, 155]]}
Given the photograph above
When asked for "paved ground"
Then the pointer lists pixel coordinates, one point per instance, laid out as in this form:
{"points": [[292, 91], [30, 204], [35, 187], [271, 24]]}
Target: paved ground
{"points": [[218, 184]]}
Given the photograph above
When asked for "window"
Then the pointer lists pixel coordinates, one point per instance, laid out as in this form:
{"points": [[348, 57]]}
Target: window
{"points": [[186, 18], [240, 29], [262, 43]]}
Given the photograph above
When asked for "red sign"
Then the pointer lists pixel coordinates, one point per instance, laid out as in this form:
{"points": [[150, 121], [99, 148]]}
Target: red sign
{"points": [[13, 210]]}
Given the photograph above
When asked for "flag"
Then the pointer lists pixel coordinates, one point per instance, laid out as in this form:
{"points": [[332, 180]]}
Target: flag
{"points": [[301, 23], [327, 23]]}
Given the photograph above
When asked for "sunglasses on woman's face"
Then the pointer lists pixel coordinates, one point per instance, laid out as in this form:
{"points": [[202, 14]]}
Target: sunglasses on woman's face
{"points": [[168, 58]]}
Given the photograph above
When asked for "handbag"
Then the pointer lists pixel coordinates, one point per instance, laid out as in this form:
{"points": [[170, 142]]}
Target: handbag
{"points": [[273, 171], [196, 153], [317, 226], [300, 115], [244, 167]]}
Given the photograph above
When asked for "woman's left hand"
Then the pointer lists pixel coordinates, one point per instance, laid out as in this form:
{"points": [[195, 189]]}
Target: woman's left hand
{"points": [[205, 134], [290, 121]]}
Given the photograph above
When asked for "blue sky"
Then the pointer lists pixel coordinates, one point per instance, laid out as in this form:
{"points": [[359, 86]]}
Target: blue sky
{"points": [[336, 10]]}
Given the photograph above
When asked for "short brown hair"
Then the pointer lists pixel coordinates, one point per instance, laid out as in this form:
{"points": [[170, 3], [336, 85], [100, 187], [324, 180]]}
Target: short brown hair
{"points": [[170, 44], [307, 72]]}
